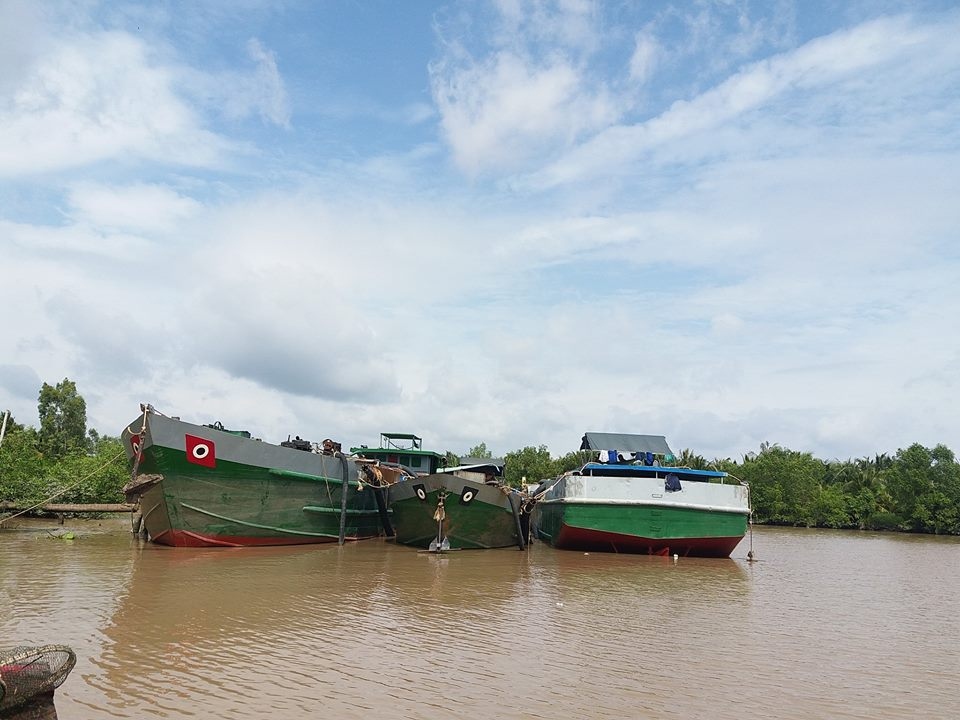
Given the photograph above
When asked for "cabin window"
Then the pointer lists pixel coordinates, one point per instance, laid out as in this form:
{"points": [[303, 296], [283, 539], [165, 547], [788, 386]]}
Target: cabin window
{"points": [[415, 461]]}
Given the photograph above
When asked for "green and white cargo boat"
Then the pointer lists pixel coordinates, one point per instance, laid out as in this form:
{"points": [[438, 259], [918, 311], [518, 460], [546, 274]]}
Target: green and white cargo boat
{"points": [[628, 500], [204, 485]]}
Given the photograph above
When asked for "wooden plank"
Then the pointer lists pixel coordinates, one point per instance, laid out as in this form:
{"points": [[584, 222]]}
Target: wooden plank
{"points": [[72, 507]]}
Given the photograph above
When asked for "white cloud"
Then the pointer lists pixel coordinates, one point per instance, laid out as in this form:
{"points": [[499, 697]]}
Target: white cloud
{"points": [[239, 94], [22, 40], [643, 61], [772, 259], [528, 93], [571, 24], [135, 208], [95, 98], [70, 243], [501, 113], [818, 64]]}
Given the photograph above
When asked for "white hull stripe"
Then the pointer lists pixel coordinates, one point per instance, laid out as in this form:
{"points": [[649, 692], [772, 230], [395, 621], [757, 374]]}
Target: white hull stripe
{"points": [[646, 503]]}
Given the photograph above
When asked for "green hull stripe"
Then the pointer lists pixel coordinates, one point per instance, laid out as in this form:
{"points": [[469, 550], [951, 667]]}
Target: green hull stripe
{"points": [[336, 511], [284, 531], [649, 521], [307, 476]]}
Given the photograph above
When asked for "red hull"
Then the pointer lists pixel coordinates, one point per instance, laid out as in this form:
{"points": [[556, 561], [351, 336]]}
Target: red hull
{"points": [[574, 538]]}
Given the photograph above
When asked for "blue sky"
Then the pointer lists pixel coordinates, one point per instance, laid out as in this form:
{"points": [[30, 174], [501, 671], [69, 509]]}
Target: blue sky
{"points": [[509, 222]]}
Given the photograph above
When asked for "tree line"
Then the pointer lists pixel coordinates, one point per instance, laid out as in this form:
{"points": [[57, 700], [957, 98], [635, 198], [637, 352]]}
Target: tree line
{"points": [[917, 489], [36, 464]]}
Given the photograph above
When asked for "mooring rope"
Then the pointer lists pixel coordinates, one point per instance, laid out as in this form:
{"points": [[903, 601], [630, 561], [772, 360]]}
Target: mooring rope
{"points": [[750, 555], [137, 455]]}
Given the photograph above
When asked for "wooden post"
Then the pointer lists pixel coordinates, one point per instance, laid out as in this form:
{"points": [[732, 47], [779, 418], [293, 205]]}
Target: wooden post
{"points": [[72, 507], [521, 541], [3, 429], [380, 493], [343, 497]]}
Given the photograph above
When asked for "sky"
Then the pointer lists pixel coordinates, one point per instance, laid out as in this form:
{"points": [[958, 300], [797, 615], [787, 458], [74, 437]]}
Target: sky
{"points": [[508, 223]]}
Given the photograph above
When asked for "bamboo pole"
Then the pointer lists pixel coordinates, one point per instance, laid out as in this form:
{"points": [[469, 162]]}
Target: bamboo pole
{"points": [[344, 489], [74, 507], [521, 541]]}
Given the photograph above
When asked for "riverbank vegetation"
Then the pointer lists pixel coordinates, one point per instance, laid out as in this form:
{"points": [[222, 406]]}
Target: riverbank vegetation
{"points": [[62, 460], [917, 489]]}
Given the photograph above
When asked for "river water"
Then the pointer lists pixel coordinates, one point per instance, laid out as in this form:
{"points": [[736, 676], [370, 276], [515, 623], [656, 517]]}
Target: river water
{"points": [[823, 625]]}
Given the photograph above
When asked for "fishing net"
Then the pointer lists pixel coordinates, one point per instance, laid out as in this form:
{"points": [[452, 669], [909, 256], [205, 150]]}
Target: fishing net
{"points": [[27, 672]]}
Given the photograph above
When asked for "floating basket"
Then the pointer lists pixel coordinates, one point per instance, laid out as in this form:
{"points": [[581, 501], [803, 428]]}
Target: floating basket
{"points": [[27, 672]]}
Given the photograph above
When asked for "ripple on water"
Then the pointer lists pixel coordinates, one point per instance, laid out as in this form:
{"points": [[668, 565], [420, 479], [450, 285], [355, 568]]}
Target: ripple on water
{"points": [[824, 625]]}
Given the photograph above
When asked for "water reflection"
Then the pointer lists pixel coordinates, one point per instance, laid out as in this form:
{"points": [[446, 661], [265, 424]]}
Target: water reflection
{"points": [[223, 631], [824, 625], [39, 709]]}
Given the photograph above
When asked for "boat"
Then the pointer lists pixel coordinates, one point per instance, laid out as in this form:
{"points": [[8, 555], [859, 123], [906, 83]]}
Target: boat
{"points": [[403, 450], [466, 507], [205, 485], [440, 508], [628, 499]]}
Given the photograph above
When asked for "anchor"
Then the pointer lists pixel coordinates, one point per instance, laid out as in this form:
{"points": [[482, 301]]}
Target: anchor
{"points": [[441, 543]]}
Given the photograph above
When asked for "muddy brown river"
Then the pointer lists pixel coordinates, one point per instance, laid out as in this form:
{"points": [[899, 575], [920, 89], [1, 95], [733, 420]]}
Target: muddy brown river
{"points": [[824, 625]]}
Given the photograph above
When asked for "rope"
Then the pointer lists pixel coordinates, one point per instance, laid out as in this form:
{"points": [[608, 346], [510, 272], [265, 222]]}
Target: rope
{"points": [[527, 505], [143, 426], [750, 555], [370, 475], [66, 489], [326, 481], [440, 513], [139, 454]]}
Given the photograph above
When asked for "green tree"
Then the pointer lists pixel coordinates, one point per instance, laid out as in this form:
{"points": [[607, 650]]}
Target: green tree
{"points": [[784, 485], [571, 461], [924, 485], [21, 466], [63, 419], [864, 486], [479, 451], [829, 508], [946, 473], [909, 482], [690, 459], [90, 478], [532, 463]]}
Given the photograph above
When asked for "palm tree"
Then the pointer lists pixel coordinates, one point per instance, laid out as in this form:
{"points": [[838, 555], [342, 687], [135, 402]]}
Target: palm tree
{"points": [[689, 459]]}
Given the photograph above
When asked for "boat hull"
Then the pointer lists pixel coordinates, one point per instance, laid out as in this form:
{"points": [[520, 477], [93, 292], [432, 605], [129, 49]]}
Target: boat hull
{"points": [[475, 515], [639, 529], [636, 515], [201, 487]]}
